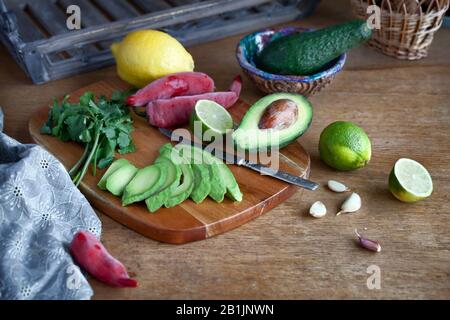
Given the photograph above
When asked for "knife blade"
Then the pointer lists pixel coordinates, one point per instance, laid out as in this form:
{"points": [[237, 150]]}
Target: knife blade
{"points": [[278, 174]]}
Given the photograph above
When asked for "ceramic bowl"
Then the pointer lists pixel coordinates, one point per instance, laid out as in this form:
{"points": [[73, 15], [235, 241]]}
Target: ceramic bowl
{"points": [[251, 45]]}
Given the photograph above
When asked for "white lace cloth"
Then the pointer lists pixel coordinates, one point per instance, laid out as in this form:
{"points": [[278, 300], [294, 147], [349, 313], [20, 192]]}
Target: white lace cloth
{"points": [[40, 211]]}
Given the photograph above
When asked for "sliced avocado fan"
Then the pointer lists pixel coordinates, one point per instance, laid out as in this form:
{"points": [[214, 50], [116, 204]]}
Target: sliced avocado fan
{"points": [[222, 179]]}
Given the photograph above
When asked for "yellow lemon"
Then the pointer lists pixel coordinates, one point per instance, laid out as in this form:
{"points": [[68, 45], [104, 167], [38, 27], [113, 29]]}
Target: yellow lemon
{"points": [[146, 55]]}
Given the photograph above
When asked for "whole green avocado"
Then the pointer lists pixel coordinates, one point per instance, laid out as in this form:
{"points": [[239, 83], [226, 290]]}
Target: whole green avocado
{"points": [[307, 53]]}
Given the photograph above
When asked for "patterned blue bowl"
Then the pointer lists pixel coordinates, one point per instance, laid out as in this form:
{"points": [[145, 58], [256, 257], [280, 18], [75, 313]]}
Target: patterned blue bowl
{"points": [[251, 45]]}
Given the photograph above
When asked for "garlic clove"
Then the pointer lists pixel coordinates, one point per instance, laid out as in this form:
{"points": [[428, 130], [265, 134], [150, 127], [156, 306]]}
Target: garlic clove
{"points": [[337, 186], [368, 244], [352, 204], [318, 210]]}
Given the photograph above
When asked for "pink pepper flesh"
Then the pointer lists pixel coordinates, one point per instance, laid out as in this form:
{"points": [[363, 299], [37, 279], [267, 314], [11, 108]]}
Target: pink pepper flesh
{"points": [[176, 84], [164, 113], [92, 256]]}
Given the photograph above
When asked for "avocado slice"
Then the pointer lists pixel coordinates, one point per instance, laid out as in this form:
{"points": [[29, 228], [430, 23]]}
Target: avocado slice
{"points": [[117, 181], [274, 121], [233, 191], [146, 182], [218, 188], [202, 183], [222, 179], [112, 168], [202, 179], [157, 200], [184, 189]]}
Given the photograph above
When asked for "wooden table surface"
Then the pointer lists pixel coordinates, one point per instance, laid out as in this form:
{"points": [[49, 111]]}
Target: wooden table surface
{"points": [[285, 254]]}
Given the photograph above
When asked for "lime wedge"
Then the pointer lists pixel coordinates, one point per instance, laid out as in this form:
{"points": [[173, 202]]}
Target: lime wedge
{"points": [[410, 181], [212, 116]]}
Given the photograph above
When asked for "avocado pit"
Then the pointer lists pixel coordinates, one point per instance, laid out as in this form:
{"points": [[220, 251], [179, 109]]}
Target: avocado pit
{"points": [[279, 115]]}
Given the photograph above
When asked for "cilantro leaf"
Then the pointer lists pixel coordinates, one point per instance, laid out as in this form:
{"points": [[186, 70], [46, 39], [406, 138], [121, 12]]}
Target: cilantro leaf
{"points": [[123, 140], [103, 125]]}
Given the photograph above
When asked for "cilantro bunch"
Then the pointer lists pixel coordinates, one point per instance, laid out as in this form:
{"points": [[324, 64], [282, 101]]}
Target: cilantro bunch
{"points": [[102, 125]]}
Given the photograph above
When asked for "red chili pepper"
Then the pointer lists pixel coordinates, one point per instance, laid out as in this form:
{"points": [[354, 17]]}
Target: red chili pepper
{"points": [[92, 256]]}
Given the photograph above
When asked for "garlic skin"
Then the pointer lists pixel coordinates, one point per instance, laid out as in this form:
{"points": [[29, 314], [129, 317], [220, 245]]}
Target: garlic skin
{"points": [[368, 244], [352, 204], [318, 210], [337, 186]]}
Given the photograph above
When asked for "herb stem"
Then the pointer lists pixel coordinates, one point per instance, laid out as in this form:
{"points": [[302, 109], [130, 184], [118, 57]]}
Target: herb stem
{"points": [[94, 165], [77, 176], [89, 158], [77, 165]]}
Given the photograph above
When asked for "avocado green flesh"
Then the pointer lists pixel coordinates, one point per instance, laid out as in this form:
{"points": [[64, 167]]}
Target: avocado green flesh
{"points": [[112, 168], [249, 136], [222, 180], [218, 187], [157, 200], [146, 182], [307, 53], [202, 183], [183, 191], [232, 187], [202, 178], [117, 181]]}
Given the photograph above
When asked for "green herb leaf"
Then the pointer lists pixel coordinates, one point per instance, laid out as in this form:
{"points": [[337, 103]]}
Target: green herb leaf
{"points": [[110, 132], [123, 140], [128, 149], [86, 98], [102, 125]]}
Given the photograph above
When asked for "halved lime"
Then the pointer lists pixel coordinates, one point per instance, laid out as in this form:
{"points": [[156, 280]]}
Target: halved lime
{"points": [[212, 116], [410, 181]]}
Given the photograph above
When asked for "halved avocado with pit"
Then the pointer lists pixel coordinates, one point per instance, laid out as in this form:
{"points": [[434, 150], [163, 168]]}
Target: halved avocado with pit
{"points": [[274, 121]]}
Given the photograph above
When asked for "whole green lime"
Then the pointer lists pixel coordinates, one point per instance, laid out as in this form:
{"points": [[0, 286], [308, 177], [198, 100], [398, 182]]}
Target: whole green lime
{"points": [[345, 146]]}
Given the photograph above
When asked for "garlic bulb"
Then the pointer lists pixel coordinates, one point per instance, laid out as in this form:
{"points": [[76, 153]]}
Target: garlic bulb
{"points": [[337, 186], [318, 210], [352, 204]]}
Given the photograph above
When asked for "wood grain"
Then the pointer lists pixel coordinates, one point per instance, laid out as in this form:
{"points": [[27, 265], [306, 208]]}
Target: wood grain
{"points": [[189, 221], [405, 108]]}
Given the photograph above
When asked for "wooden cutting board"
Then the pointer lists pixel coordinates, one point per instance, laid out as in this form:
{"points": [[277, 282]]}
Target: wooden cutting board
{"points": [[188, 221]]}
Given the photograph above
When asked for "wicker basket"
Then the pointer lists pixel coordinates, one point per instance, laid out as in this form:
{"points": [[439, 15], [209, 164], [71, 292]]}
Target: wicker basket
{"points": [[407, 26]]}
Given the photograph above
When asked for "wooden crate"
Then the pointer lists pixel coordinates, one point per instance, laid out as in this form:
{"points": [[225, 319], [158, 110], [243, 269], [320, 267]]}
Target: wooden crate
{"points": [[35, 31]]}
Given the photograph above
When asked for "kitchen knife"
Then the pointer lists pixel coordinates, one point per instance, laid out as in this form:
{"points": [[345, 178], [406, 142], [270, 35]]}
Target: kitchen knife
{"points": [[231, 158]]}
